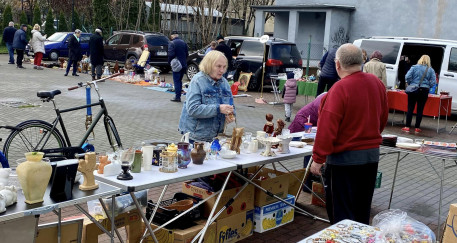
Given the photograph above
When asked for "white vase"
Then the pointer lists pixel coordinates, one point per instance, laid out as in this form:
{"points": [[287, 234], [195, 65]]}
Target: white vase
{"points": [[34, 175]]}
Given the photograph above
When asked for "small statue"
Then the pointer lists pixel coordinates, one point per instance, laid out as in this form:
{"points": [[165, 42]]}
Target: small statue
{"points": [[4, 176], [116, 67], [128, 65], [103, 162], [61, 60], [269, 126], [10, 194], [278, 130], [86, 167], [237, 138], [2, 203]]}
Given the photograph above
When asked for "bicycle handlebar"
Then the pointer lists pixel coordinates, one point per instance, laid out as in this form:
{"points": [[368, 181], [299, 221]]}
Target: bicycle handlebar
{"points": [[92, 82]]}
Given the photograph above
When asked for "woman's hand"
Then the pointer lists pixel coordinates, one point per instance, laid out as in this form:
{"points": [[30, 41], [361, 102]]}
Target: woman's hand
{"points": [[230, 118], [225, 109]]}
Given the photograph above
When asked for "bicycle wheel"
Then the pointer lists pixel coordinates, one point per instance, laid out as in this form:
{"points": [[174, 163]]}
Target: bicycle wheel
{"points": [[111, 131], [31, 137]]}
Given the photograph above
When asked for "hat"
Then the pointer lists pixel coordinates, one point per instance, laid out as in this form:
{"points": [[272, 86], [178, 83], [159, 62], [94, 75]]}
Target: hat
{"points": [[219, 37], [174, 32]]}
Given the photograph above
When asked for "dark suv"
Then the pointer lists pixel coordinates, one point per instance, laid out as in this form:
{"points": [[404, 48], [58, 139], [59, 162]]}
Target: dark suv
{"points": [[281, 56], [128, 45]]}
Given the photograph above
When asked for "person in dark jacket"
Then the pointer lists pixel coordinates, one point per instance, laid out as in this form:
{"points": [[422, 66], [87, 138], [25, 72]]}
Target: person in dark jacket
{"points": [[224, 48], [177, 48], [96, 53], [74, 52], [8, 36], [328, 75], [19, 43]]}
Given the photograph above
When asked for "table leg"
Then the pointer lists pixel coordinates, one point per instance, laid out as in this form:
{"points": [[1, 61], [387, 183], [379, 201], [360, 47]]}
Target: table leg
{"points": [[154, 211], [393, 182], [145, 220], [441, 198], [105, 209], [82, 210], [439, 116], [59, 224]]}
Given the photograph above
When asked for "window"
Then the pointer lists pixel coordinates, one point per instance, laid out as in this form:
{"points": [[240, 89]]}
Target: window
{"points": [[57, 37], [114, 40], [235, 46], [84, 39], [125, 40], [157, 40], [389, 50], [136, 39], [251, 48], [453, 60], [284, 52]]}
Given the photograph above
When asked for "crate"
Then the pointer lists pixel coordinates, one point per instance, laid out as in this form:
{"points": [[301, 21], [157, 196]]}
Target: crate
{"points": [[164, 215]]}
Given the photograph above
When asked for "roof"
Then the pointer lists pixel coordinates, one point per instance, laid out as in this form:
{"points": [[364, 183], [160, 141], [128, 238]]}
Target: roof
{"points": [[304, 6], [174, 8], [415, 39]]}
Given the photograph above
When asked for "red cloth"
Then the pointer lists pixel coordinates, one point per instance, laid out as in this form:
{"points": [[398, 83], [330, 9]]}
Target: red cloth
{"points": [[398, 100], [37, 58], [351, 116]]}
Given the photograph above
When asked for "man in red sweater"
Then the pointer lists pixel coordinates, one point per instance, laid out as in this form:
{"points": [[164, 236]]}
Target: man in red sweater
{"points": [[351, 119]]}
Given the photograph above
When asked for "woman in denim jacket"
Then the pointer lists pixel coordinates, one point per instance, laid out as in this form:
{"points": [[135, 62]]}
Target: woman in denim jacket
{"points": [[209, 100], [413, 77]]}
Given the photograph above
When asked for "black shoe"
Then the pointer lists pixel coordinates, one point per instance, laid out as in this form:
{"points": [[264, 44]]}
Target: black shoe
{"points": [[11, 63], [21, 67], [93, 78], [176, 100], [65, 74], [74, 74], [287, 119]]}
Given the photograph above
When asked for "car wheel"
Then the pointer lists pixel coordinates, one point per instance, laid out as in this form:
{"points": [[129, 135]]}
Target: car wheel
{"points": [[132, 58], [164, 70], [54, 55], [192, 69], [256, 81]]}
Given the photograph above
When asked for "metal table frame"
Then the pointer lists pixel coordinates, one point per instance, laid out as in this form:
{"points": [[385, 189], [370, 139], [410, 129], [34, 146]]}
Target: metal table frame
{"points": [[440, 174]]}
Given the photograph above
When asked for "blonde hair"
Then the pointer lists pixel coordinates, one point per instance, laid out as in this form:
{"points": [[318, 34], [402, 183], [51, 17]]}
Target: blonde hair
{"points": [[213, 44], [36, 27], [206, 65], [425, 60]]}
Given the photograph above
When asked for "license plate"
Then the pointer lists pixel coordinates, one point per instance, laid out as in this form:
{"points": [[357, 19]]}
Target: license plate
{"points": [[290, 69], [161, 53]]}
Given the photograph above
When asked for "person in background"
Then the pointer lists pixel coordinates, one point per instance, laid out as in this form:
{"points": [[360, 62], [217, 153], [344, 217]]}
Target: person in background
{"points": [[96, 53], [403, 67], [177, 48], [74, 52], [212, 46], [37, 43], [352, 117], [376, 67], [224, 48], [310, 110], [289, 96], [19, 44], [422, 71], [328, 75], [365, 57], [209, 102], [8, 37]]}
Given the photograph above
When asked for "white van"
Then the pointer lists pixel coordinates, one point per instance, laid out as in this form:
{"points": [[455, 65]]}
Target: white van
{"points": [[443, 55]]}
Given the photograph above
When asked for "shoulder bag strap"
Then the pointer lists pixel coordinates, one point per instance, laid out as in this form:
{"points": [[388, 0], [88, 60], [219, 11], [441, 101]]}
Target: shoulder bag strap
{"points": [[423, 76]]}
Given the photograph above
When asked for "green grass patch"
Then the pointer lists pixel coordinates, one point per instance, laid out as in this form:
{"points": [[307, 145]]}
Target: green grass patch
{"points": [[3, 49], [27, 106]]}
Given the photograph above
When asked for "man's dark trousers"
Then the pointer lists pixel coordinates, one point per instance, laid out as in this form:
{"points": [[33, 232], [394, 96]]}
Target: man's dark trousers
{"points": [[177, 81]]}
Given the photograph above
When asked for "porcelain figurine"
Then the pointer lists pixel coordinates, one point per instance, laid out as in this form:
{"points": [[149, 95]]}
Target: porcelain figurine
{"points": [[237, 139], [86, 167], [278, 130], [4, 176], [34, 175], [268, 142], [116, 67], [10, 194], [269, 127]]}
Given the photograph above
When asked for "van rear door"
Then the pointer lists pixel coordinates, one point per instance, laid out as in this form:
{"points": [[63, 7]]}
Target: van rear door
{"points": [[448, 74], [390, 50]]}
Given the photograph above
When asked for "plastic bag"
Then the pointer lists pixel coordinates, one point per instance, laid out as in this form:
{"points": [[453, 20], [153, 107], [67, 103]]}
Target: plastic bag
{"points": [[396, 226]]}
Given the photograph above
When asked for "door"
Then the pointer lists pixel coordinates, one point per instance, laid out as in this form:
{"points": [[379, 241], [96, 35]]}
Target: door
{"points": [[448, 74], [84, 42], [110, 47], [63, 48], [123, 46], [391, 51]]}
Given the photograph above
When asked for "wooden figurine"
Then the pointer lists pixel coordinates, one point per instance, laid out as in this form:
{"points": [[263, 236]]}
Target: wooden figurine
{"points": [[269, 127], [86, 167], [116, 67], [278, 130], [61, 60], [237, 139]]}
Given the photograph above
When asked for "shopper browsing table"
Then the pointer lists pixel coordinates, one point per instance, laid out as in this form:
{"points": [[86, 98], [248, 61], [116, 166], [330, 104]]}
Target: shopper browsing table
{"points": [[351, 119], [209, 101]]}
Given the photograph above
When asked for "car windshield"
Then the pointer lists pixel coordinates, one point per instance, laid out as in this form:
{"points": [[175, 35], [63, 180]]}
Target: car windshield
{"points": [[284, 52], [154, 40], [57, 37]]}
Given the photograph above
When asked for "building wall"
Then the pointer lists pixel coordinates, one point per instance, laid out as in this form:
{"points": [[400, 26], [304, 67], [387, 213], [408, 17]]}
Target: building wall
{"points": [[412, 18], [311, 23], [281, 26]]}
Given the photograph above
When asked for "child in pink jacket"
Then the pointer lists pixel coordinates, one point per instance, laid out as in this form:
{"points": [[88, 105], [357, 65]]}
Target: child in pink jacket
{"points": [[289, 96]]}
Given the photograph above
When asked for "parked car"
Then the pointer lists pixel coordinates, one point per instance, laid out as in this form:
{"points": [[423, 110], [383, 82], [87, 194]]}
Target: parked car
{"points": [[56, 45], [281, 56], [128, 45]]}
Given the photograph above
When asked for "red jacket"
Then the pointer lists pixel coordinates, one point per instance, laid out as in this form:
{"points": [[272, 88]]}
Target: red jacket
{"points": [[351, 116]]}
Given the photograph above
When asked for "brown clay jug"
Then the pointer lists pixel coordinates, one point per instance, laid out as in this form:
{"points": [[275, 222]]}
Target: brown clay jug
{"points": [[198, 154]]}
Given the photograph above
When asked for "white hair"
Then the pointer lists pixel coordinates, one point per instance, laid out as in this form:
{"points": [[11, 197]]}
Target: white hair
{"points": [[98, 31], [11, 23], [77, 31]]}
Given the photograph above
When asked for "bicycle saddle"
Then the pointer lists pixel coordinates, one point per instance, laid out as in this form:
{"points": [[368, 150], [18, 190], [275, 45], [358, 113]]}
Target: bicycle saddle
{"points": [[48, 94]]}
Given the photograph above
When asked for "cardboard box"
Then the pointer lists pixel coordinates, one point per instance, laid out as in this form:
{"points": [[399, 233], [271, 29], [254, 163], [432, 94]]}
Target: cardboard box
{"points": [[294, 184], [71, 231], [186, 235], [235, 227], [278, 185], [135, 232], [318, 188], [273, 215], [450, 230], [244, 202]]}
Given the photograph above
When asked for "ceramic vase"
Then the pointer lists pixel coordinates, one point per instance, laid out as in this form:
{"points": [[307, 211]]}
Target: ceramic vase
{"points": [[136, 165], [183, 155], [198, 154], [34, 175]]}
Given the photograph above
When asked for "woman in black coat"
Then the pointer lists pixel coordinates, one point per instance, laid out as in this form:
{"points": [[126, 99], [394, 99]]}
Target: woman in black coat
{"points": [[74, 52], [96, 53]]}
